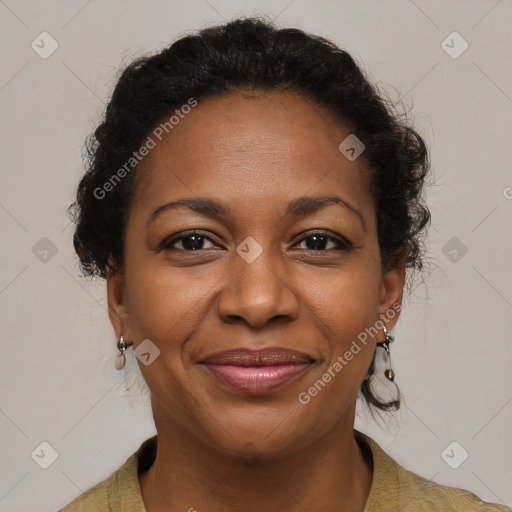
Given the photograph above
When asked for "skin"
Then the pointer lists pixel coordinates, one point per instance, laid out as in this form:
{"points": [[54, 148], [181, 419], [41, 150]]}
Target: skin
{"points": [[221, 450]]}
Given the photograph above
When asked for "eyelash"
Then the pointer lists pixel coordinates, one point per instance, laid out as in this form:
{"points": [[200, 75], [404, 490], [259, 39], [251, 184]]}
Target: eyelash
{"points": [[343, 245]]}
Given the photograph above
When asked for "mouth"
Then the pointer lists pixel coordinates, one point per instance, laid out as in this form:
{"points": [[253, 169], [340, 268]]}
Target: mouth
{"points": [[258, 371]]}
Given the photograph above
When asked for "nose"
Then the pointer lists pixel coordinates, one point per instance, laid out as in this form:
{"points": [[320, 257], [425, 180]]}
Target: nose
{"points": [[257, 292]]}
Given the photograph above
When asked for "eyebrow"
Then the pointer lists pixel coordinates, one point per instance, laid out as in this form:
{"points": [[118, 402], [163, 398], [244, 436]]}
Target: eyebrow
{"points": [[300, 207]]}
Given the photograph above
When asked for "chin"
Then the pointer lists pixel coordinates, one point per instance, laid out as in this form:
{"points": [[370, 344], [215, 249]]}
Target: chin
{"points": [[260, 433]]}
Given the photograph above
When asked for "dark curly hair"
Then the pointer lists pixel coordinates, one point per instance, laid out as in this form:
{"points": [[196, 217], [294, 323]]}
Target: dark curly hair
{"points": [[251, 53]]}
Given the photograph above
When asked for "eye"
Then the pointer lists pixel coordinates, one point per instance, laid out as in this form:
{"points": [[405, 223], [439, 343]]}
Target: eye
{"points": [[191, 241], [317, 241], [195, 241]]}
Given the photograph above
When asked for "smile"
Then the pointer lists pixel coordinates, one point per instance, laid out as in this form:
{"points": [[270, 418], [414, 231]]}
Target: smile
{"points": [[257, 379], [264, 370]]}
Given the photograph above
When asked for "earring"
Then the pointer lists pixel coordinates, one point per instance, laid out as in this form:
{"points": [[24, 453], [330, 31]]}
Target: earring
{"points": [[121, 358], [389, 338]]}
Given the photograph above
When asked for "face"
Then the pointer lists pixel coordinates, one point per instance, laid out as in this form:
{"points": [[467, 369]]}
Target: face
{"points": [[257, 265]]}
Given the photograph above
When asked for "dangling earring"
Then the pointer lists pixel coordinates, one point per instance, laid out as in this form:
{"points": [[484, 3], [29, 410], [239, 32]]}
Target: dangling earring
{"points": [[389, 338], [121, 358]]}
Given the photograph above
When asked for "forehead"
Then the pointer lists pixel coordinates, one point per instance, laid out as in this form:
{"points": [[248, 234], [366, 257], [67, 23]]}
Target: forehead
{"points": [[252, 146]]}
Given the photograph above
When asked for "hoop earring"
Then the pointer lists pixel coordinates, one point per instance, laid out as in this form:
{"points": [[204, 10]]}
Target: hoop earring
{"points": [[121, 358], [389, 338]]}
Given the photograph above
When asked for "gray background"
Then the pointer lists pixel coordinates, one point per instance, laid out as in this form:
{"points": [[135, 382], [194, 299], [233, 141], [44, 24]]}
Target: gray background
{"points": [[452, 353]]}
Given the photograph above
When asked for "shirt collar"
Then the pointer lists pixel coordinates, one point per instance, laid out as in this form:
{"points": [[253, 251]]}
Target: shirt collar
{"points": [[385, 476]]}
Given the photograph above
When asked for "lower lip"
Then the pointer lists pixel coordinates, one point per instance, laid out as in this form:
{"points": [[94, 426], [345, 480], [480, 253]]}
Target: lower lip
{"points": [[257, 379]]}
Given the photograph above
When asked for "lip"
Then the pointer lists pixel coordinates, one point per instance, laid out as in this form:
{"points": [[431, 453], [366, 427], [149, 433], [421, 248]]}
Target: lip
{"points": [[258, 371], [269, 356]]}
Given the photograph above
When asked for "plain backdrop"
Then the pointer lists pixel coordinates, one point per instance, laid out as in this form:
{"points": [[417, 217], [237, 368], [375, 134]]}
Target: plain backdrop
{"points": [[453, 350]]}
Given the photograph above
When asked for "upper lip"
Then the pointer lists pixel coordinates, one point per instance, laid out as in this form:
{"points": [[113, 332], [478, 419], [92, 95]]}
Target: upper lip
{"points": [[270, 356]]}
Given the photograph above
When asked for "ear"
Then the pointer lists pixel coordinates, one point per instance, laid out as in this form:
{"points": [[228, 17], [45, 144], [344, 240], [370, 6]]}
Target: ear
{"points": [[391, 294], [117, 305]]}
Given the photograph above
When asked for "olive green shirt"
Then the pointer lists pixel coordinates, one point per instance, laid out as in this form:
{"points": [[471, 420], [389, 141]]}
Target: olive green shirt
{"points": [[394, 489]]}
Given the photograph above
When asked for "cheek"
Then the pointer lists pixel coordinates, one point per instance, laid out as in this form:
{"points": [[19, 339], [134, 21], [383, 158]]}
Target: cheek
{"points": [[344, 301], [166, 308], [165, 302], [169, 306], [344, 308], [344, 317]]}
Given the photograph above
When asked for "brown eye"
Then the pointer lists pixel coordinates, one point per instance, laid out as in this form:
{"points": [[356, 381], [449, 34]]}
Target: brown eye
{"points": [[317, 242], [192, 241]]}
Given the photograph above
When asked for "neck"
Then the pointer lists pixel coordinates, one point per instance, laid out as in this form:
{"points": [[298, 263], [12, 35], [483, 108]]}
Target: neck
{"points": [[330, 473]]}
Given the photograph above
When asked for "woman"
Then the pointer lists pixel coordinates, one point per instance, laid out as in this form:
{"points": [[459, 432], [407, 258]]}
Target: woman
{"points": [[253, 206]]}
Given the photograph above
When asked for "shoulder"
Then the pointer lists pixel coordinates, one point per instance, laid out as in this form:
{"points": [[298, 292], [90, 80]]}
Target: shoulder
{"points": [[395, 488], [96, 498], [119, 492], [421, 495]]}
